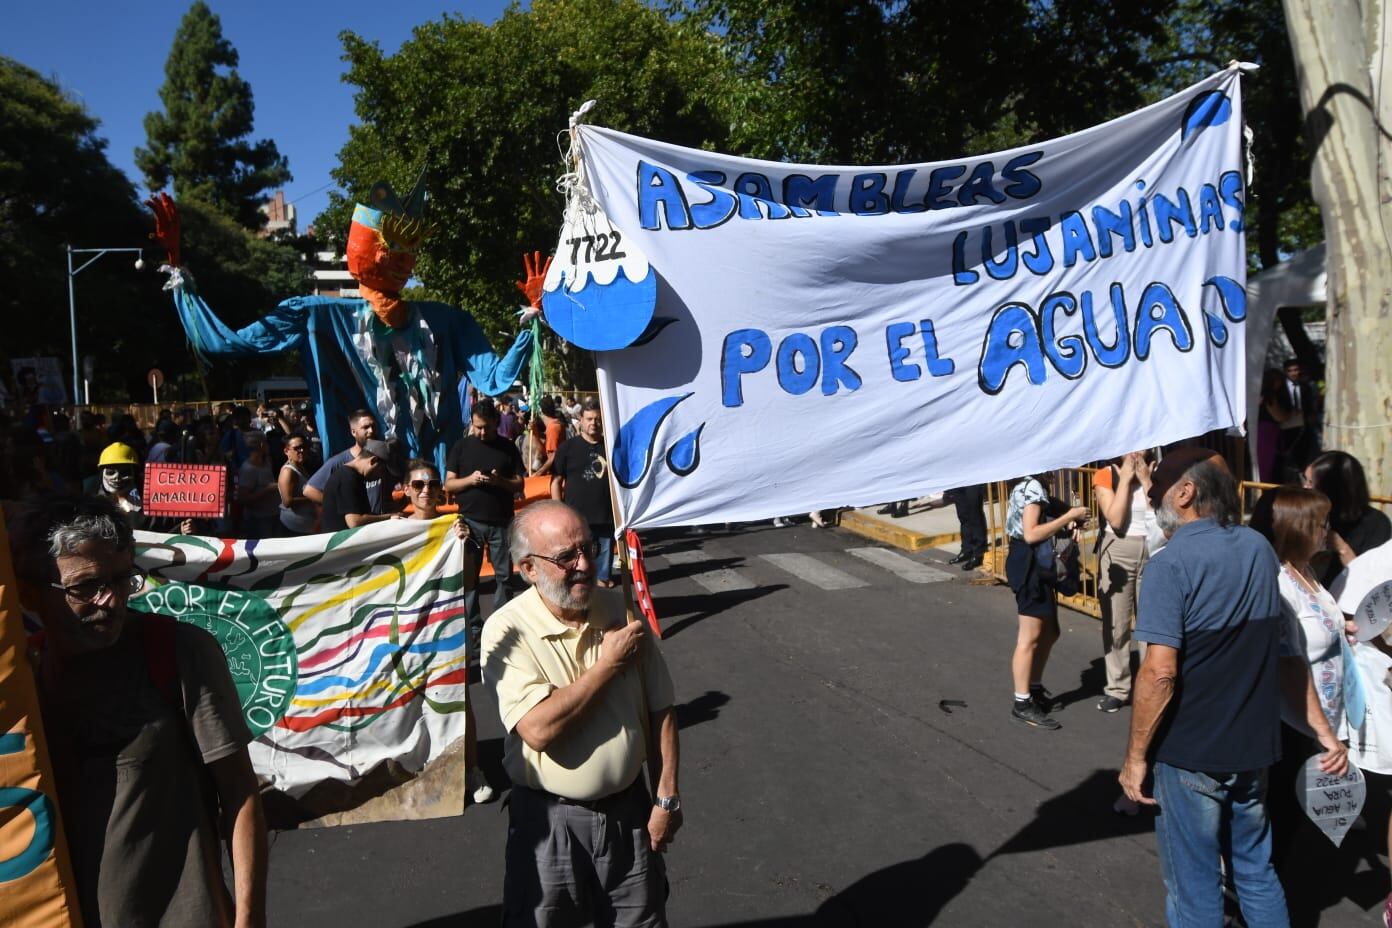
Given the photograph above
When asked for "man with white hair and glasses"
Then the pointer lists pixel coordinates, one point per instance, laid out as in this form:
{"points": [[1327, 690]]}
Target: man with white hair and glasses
{"points": [[145, 732], [585, 698]]}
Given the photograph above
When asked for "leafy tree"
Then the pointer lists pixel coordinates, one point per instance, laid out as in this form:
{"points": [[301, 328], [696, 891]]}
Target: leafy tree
{"points": [[478, 108], [201, 139], [1204, 36], [57, 188], [873, 81]]}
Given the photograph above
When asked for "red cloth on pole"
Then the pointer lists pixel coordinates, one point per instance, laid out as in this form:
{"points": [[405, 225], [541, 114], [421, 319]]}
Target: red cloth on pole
{"points": [[642, 595]]}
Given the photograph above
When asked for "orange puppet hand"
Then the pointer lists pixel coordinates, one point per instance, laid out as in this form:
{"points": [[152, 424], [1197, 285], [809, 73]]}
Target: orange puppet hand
{"points": [[166, 225], [536, 275]]}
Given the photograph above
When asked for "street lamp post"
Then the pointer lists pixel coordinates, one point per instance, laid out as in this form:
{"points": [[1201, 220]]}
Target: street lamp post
{"points": [[96, 253]]}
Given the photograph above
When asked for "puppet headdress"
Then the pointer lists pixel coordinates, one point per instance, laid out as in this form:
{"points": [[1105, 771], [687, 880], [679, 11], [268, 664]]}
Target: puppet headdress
{"points": [[398, 224]]}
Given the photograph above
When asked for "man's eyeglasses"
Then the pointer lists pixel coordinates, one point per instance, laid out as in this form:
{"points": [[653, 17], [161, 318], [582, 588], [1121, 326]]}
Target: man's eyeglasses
{"points": [[294, 447], [89, 591], [569, 559], [419, 485]]}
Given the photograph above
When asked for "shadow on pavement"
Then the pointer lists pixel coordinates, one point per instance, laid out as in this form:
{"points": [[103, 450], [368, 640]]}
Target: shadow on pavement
{"points": [[1091, 681], [485, 915], [677, 571], [1082, 814], [704, 605], [904, 895], [704, 708]]}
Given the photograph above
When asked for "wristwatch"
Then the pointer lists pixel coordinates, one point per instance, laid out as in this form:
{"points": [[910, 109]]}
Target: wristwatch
{"points": [[668, 803]]}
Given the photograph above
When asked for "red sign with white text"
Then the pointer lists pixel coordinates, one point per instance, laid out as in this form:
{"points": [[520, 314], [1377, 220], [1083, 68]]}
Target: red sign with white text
{"points": [[185, 491]]}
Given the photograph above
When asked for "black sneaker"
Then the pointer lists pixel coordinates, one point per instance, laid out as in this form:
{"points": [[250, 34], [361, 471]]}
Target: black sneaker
{"points": [[1044, 700], [1025, 710], [1110, 704]]}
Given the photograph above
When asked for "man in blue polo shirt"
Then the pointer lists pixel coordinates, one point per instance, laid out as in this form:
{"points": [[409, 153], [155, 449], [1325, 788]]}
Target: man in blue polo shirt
{"points": [[1207, 698]]}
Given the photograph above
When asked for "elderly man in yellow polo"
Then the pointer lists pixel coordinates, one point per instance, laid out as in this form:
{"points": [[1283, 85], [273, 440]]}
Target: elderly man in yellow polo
{"points": [[586, 698]]}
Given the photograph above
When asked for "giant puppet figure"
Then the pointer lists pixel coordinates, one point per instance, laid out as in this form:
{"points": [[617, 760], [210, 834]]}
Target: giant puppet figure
{"points": [[401, 359]]}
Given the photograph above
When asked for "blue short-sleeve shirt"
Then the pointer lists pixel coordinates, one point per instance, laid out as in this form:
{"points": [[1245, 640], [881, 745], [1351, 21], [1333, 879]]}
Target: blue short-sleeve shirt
{"points": [[1212, 594]]}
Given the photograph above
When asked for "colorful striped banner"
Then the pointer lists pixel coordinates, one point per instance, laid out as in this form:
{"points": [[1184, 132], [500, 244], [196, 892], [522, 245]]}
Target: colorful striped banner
{"points": [[348, 649]]}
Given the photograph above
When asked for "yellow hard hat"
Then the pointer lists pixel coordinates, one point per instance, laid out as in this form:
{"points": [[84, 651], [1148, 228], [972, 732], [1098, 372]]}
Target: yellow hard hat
{"points": [[118, 453]]}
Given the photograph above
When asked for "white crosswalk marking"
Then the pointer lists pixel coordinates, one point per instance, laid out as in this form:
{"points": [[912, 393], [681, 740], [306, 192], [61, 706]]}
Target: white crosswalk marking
{"points": [[718, 580], [896, 563], [806, 567]]}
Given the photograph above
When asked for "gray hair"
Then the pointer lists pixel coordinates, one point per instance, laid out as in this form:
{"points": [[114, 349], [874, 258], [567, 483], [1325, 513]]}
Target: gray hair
{"points": [[53, 528], [520, 532], [1215, 492]]}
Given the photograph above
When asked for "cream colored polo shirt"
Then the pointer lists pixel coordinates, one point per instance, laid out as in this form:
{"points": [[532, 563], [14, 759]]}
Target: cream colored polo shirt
{"points": [[527, 653]]}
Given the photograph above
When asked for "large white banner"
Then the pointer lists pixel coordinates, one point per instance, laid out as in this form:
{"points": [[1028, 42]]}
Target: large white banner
{"points": [[347, 649], [841, 336]]}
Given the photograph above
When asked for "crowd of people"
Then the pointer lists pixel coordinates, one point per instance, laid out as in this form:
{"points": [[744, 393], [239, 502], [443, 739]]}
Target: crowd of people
{"points": [[1244, 636], [276, 462], [586, 699], [1247, 649]]}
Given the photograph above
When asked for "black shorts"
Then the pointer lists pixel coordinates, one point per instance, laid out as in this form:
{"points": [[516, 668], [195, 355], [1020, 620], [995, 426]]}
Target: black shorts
{"points": [[1033, 597]]}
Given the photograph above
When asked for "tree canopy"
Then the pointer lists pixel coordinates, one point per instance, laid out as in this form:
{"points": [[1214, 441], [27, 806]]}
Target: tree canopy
{"points": [[201, 140], [477, 107]]}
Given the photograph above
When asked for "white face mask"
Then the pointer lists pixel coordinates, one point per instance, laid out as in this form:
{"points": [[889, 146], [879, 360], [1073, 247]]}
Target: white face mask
{"points": [[115, 480]]}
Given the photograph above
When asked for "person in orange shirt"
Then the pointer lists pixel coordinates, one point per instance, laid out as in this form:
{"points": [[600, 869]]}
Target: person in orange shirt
{"points": [[555, 433]]}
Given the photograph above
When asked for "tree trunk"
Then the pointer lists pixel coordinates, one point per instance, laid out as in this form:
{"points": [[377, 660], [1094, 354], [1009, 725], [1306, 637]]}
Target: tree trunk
{"points": [[1346, 90]]}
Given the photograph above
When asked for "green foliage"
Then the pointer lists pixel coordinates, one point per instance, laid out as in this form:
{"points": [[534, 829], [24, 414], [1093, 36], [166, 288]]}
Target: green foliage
{"points": [[201, 141], [57, 188], [479, 108], [1205, 35], [823, 81], [866, 81]]}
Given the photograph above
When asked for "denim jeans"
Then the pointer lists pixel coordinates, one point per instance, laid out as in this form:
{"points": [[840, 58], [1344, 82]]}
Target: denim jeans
{"points": [[495, 538], [1203, 818], [603, 536]]}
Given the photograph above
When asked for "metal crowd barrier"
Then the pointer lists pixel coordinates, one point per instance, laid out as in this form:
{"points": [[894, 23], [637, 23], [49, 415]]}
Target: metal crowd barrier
{"points": [[1075, 483]]}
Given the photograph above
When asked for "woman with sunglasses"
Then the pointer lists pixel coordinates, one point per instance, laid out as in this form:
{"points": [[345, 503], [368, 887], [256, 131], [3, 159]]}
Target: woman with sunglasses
{"points": [[298, 513], [426, 493]]}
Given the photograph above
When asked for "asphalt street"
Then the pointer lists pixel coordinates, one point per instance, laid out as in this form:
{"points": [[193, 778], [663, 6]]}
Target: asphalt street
{"points": [[829, 776]]}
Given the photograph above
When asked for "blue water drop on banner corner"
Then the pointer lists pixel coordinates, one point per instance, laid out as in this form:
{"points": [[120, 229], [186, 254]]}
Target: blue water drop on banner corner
{"points": [[1205, 111], [602, 317], [634, 445], [685, 456]]}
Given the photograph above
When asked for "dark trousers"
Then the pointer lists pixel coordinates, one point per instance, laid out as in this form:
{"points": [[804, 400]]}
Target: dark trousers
{"points": [[582, 865], [495, 538], [971, 516]]}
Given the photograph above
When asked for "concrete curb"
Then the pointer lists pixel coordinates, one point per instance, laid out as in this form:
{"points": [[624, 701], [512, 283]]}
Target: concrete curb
{"points": [[891, 534]]}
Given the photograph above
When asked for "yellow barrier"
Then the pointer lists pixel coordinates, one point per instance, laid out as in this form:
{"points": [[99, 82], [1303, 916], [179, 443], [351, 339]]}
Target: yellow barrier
{"points": [[36, 886], [1076, 484]]}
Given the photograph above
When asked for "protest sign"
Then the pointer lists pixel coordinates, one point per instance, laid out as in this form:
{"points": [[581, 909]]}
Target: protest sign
{"points": [[36, 886], [185, 491], [1374, 612], [347, 649], [829, 336], [1331, 802]]}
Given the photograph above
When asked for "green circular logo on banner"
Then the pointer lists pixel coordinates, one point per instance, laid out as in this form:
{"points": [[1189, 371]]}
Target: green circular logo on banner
{"points": [[259, 647]]}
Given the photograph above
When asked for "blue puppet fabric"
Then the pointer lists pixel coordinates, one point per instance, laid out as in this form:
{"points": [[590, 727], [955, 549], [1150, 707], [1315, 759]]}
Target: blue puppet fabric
{"points": [[407, 376]]}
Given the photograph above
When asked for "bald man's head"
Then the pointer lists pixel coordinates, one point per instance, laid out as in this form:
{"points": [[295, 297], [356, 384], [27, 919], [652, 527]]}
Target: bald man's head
{"points": [[552, 546]]}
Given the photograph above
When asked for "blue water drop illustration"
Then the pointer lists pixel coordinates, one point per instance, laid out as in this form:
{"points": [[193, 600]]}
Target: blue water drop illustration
{"points": [[685, 456], [634, 446], [1233, 295], [602, 317], [1205, 111]]}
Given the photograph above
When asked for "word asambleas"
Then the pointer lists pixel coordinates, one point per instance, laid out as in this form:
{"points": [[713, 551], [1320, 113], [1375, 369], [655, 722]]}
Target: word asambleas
{"points": [[663, 200], [1017, 334]]}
